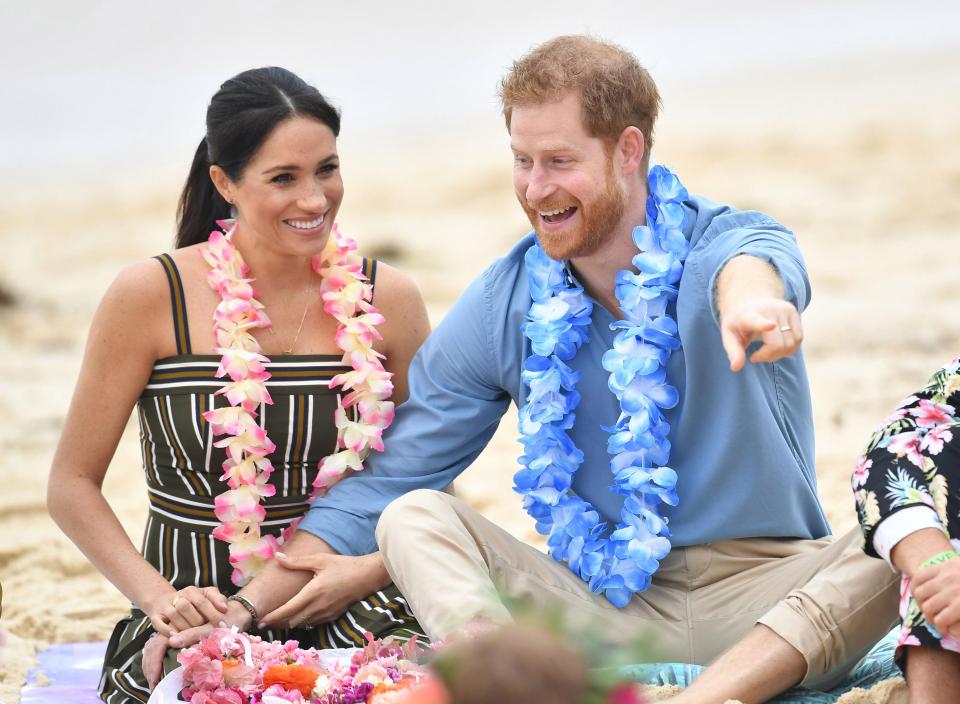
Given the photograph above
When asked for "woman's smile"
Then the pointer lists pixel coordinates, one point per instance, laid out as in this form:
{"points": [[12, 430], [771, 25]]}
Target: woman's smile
{"points": [[307, 225]]}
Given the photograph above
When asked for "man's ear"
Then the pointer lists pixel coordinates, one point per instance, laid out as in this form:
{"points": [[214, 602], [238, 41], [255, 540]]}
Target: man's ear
{"points": [[631, 149], [223, 183]]}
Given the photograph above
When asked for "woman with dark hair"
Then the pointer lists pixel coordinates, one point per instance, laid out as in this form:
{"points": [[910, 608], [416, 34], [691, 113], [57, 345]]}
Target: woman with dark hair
{"points": [[243, 421], [906, 491]]}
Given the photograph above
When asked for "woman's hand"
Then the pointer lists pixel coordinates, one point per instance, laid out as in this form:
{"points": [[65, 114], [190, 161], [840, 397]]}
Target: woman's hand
{"points": [[236, 615], [176, 611], [156, 648], [152, 660], [937, 591], [338, 581]]}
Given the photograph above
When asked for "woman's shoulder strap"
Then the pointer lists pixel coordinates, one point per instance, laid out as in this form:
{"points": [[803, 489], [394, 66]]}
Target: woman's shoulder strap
{"points": [[370, 271], [178, 303]]}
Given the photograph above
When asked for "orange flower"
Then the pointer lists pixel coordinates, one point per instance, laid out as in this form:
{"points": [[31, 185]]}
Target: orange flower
{"points": [[388, 693], [407, 691], [291, 677]]}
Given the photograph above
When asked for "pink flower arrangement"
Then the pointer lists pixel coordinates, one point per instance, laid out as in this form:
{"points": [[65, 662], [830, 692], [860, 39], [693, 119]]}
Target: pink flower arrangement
{"points": [[230, 667]]}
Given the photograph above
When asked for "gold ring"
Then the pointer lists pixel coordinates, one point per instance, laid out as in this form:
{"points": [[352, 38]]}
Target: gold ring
{"points": [[785, 328], [175, 600]]}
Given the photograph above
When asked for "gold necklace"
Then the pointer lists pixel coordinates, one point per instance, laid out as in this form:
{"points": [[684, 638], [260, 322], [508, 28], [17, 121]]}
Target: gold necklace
{"points": [[299, 327]]}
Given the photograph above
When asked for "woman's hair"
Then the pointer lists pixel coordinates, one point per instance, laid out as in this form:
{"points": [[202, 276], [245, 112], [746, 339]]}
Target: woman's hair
{"points": [[241, 116]]}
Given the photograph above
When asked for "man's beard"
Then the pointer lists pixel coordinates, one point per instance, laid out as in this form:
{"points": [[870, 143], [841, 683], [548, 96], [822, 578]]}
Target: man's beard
{"points": [[597, 222]]}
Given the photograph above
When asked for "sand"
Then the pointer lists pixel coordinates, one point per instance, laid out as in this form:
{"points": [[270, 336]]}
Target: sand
{"points": [[860, 160]]}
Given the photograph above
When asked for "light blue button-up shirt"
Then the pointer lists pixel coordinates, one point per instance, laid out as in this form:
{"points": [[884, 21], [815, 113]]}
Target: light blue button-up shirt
{"points": [[742, 442]]}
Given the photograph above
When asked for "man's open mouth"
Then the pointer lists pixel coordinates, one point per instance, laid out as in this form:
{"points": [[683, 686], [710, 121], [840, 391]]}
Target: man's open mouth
{"points": [[554, 217]]}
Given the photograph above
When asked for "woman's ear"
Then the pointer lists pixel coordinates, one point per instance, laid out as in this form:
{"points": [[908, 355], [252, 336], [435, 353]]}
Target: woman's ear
{"points": [[223, 184]]}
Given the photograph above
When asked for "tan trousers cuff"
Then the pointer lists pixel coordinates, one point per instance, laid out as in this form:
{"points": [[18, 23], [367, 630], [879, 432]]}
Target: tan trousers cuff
{"points": [[797, 631]]}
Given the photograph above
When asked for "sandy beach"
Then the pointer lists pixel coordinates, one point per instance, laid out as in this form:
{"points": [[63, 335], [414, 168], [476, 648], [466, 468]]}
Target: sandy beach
{"points": [[859, 159]]}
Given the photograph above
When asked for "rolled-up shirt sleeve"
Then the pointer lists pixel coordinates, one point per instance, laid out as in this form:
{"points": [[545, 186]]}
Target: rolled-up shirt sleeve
{"points": [[755, 234], [454, 406], [898, 525]]}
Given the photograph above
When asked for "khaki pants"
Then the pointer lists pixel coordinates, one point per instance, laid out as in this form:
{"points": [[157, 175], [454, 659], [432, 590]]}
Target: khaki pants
{"points": [[824, 597]]}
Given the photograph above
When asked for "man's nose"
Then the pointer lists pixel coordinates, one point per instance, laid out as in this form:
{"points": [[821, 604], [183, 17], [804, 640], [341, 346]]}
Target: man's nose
{"points": [[538, 185]]}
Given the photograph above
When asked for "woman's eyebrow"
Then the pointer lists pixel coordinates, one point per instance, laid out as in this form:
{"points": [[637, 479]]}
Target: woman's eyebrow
{"points": [[295, 167]]}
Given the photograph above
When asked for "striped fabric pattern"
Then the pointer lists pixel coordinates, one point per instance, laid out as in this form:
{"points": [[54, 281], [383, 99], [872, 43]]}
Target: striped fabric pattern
{"points": [[183, 476]]}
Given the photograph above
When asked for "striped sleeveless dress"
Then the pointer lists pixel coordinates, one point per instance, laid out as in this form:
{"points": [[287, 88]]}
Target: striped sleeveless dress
{"points": [[183, 471]]}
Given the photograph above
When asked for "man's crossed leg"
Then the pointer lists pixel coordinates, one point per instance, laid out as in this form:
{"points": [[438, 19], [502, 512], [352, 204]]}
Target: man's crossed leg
{"points": [[767, 613]]}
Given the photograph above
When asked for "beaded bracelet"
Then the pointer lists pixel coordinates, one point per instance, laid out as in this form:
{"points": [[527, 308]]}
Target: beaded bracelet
{"points": [[247, 604], [938, 558]]}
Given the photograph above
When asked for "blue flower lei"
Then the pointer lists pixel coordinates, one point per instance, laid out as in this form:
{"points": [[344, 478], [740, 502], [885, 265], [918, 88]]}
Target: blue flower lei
{"points": [[621, 561]]}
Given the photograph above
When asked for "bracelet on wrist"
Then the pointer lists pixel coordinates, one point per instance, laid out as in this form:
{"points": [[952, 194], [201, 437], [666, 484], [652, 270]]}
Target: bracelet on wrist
{"points": [[938, 558], [246, 604]]}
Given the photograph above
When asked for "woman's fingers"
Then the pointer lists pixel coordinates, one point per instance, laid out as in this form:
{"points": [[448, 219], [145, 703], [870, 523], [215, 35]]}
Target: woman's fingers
{"points": [[152, 661], [191, 607], [188, 612], [161, 625], [188, 608], [207, 606], [186, 638], [172, 615], [216, 597]]}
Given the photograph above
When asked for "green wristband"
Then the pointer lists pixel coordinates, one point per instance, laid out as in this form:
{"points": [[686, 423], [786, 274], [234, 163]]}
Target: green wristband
{"points": [[938, 558]]}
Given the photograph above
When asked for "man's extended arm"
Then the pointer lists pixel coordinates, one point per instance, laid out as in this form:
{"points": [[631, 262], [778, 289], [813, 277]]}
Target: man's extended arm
{"points": [[757, 285], [751, 306]]}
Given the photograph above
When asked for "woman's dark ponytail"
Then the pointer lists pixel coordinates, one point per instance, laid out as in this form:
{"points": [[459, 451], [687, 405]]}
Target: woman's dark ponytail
{"points": [[201, 204], [240, 117]]}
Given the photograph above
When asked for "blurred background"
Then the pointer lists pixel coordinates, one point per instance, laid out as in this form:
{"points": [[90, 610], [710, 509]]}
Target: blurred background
{"points": [[842, 120]]}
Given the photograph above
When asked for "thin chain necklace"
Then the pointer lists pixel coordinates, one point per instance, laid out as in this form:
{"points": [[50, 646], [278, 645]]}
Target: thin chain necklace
{"points": [[299, 327]]}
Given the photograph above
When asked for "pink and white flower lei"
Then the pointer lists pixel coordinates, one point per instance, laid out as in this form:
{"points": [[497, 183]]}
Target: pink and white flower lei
{"points": [[346, 296]]}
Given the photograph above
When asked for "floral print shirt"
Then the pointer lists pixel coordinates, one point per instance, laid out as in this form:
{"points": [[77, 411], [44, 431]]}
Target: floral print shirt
{"points": [[912, 462]]}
